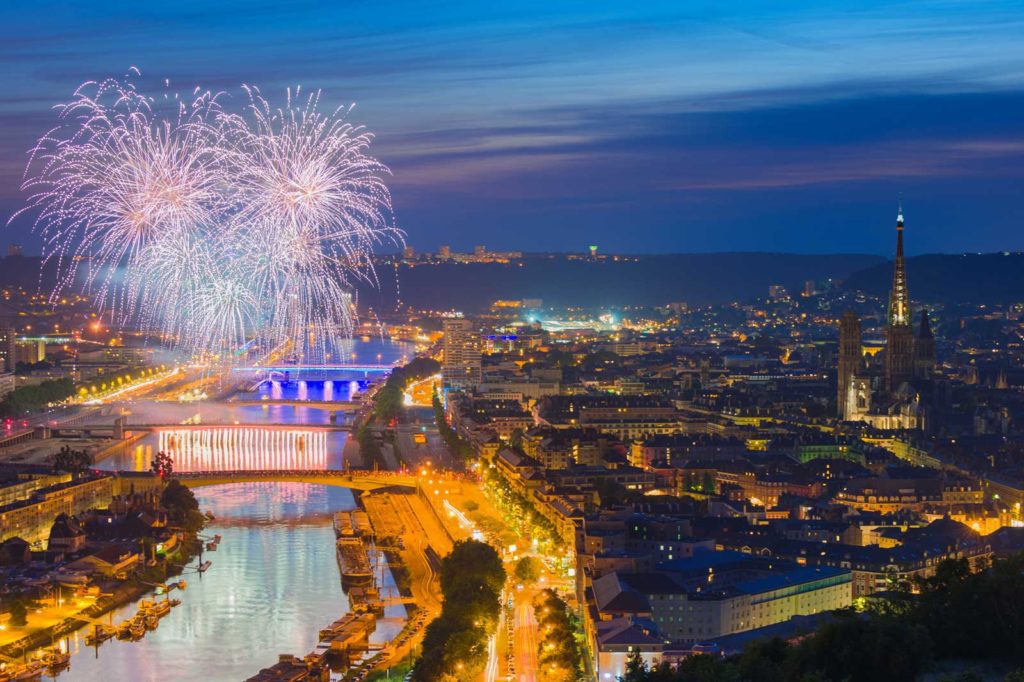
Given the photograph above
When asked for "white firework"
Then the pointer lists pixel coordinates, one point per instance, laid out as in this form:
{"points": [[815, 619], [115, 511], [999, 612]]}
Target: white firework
{"points": [[212, 228]]}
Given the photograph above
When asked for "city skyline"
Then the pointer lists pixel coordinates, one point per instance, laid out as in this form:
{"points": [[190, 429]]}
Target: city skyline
{"points": [[547, 129]]}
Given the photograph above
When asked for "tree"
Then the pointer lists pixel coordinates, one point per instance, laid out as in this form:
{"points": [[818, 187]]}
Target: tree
{"points": [[163, 465], [179, 502], [72, 461], [455, 644], [471, 561], [528, 569], [636, 668], [193, 521], [388, 403], [28, 398], [19, 613], [558, 651]]}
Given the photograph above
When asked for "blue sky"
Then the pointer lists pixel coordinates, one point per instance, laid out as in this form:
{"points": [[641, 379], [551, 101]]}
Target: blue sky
{"points": [[640, 127]]}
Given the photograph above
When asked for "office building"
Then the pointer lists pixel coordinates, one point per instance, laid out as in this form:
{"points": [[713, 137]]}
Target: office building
{"points": [[461, 369]]}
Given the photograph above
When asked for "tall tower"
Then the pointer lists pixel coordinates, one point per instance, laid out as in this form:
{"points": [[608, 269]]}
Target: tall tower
{"points": [[461, 368], [849, 359], [924, 349], [899, 337]]}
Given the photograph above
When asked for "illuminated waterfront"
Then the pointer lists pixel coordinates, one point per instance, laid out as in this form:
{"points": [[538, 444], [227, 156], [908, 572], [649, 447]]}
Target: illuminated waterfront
{"points": [[274, 583]]}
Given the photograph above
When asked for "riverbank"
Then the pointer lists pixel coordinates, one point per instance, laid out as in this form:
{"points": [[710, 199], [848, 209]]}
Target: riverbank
{"points": [[128, 592], [118, 447]]}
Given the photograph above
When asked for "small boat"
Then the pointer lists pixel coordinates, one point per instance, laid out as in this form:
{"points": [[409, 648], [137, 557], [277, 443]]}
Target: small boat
{"points": [[211, 546], [151, 621], [99, 635], [160, 609], [31, 672], [204, 566], [137, 629], [55, 659], [174, 602], [124, 630]]}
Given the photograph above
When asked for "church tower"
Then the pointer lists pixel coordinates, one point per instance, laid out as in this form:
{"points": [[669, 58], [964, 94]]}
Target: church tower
{"points": [[924, 349], [849, 360], [899, 337]]}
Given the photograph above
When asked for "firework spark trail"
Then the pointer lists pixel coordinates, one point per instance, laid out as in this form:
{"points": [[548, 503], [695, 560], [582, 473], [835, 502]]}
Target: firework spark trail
{"points": [[211, 227]]}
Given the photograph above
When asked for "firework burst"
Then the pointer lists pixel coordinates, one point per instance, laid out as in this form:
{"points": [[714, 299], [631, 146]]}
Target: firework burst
{"points": [[210, 227]]}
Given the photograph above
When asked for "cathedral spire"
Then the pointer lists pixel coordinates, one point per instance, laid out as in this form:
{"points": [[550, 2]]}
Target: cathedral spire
{"points": [[899, 298]]}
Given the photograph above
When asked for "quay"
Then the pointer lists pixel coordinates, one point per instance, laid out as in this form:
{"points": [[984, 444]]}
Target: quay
{"points": [[413, 540]]}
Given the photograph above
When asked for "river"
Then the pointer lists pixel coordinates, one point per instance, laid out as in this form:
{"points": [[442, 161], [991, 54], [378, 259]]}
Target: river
{"points": [[273, 585], [274, 582]]}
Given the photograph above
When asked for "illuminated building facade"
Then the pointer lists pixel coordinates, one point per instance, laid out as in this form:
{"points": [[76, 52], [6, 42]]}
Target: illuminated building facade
{"points": [[461, 368], [849, 360]]}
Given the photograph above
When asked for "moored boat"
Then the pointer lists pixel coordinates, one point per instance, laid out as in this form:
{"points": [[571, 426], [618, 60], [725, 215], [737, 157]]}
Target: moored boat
{"points": [[137, 629], [55, 659], [29, 672], [160, 608], [100, 634]]}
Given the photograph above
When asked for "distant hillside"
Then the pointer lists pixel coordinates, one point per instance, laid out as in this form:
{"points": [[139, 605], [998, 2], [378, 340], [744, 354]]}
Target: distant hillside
{"points": [[970, 278], [25, 271], [653, 280]]}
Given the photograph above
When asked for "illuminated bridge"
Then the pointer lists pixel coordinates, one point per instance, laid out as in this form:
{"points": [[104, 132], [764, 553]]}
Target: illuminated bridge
{"points": [[337, 367], [337, 405], [107, 430], [357, 480]]}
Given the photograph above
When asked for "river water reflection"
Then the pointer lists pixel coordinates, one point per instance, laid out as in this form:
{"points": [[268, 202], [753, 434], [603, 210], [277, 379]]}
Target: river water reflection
{"points": [[273, 585]]}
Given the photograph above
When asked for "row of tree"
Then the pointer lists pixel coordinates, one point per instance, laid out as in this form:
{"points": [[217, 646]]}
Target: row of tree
{"points": [[956, 614], [455, 643], [389, 399], [519, 510], [558, 652], [29, 398], [72, 461], [453, 441]]}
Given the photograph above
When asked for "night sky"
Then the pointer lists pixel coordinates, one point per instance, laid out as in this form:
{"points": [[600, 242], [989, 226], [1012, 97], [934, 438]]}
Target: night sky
{"points": [[637, 126]]}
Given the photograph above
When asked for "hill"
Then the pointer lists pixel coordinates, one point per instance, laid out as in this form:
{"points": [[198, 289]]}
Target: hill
{"points": [[966, 278], [647, 280]]}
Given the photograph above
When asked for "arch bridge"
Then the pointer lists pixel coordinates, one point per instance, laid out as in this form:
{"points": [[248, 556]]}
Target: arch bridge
{"points": [[335, 405]]}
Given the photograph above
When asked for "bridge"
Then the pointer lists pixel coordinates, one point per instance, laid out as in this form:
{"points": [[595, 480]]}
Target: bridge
{"points": [[337, 367], [115, 431], [338, 405], [356, 480]]}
